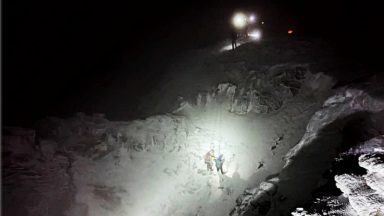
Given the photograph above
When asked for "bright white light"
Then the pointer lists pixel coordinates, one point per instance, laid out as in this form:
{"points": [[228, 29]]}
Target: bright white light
{"points": [[239, 20], [255, 34], [252, 18], [229, 46]]}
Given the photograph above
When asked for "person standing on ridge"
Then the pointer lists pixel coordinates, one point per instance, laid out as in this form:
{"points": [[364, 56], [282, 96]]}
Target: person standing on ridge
{"points": [[234, 39]]}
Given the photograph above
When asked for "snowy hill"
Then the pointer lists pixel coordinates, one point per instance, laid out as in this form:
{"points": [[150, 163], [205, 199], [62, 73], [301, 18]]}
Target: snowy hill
{"points": [[252, 105]]}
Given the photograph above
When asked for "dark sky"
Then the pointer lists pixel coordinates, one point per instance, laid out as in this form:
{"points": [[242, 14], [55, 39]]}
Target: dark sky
{"points": [[60, 56]]}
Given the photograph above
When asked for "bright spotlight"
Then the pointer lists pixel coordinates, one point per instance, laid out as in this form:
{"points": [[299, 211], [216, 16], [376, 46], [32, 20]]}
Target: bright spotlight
{"points": [[239, 20], [252, 18], [255, 34]]}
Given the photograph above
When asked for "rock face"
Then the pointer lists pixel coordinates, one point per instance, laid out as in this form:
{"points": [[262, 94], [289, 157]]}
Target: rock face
{"points": [[361, 194], [266, 91], [306, 162], [262, 76], [365, 193]]}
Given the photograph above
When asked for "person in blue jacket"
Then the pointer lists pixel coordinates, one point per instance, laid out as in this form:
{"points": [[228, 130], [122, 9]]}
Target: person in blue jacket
{"points": [[219, 161]]}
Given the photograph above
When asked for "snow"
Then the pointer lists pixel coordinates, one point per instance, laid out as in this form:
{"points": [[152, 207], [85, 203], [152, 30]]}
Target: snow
{"points": [[239, 105], [373, 145], [365, 193], [361, 194]]}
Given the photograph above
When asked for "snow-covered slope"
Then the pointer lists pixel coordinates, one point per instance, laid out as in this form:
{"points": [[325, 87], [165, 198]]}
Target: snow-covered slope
{"points": [[201, 70], [251, 105]]}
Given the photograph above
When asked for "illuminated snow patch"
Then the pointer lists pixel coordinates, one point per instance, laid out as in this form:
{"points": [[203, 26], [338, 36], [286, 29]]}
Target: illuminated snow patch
{"points": [[255, 34], [229, 46]]}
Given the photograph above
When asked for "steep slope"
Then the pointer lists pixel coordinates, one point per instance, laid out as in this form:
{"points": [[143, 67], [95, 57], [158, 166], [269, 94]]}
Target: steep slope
{"points": [[312, 156], [251, 105]]}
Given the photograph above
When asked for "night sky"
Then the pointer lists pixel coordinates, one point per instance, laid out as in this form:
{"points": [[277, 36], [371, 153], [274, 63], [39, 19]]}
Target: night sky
{"points": [[59, 57]]}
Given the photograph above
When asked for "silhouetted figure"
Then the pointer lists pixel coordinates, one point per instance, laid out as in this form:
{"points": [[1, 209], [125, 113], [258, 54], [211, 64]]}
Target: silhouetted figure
{"points": [[234, 39], [219, 163]]}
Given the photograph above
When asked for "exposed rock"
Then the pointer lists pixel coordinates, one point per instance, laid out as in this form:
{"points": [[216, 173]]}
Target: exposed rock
{"points": [[363, 199], [373, 202], [361, 194], [373, 145], [265, 91], [312, 155]]}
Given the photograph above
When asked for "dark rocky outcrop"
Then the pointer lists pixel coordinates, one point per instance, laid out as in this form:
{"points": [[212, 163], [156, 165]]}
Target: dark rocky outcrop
{"points": [[312, 156]]}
